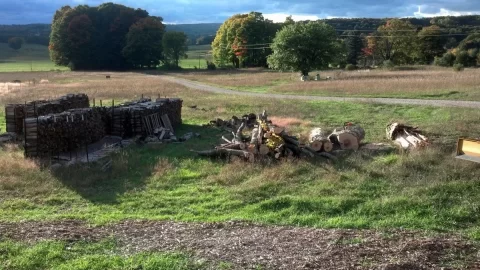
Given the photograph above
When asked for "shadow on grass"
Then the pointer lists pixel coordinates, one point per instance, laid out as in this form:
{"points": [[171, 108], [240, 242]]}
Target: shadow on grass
{"points": [[132, 167], [444, 95]]}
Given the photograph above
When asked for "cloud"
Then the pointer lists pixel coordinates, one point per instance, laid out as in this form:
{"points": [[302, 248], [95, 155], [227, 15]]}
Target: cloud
{"points": [[280, 17], [443, 12]]}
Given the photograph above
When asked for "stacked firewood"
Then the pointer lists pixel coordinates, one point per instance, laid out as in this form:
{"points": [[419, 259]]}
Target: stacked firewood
{"points": [[56, 133], [265, 140], [16, 113], [407, 137]]}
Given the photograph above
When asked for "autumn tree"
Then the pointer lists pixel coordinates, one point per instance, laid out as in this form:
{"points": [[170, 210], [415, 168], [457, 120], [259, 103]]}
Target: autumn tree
{"points": [[304, 47], [396, 41], [15, 43], [174, 46], [144, 43], [243, 40]]}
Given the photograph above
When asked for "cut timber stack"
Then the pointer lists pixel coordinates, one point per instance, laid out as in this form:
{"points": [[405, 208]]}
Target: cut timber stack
{"points": [[52, 134], [407, 137], [348, 138], [319, 141], [127, 120], [15, 113]]}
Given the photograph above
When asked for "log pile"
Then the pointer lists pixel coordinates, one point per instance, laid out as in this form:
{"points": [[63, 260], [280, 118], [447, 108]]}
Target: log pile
{"points": [[52, 134], [16, 113], [264, 141], [407, 137], [233, 123]]}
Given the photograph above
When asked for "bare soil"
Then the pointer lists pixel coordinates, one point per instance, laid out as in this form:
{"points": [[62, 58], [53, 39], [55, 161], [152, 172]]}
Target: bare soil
{"points": [[247, 246]]}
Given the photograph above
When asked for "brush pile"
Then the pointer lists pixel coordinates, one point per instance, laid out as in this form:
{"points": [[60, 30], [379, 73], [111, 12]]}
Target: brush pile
{"points": [[407, 137], [265, 140]]}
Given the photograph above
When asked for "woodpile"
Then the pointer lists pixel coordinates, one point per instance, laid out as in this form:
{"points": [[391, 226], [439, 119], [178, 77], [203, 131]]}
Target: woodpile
{"points": [[16, 113], [233, 123], [56, 133], [407, 137], [264, 141]]}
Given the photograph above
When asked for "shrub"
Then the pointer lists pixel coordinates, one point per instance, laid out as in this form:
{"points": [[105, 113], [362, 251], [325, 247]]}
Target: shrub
{"points": [[463, 59], [211, 65], [350, 67], [446, 60], [388, 64], [458, 67]]}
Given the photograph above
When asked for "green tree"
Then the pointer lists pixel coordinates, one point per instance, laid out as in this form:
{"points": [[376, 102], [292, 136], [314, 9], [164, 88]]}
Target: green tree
{"points": [[15, 43], [174, 46], [87, 37], [431, 43], [396, 41], [144, 43], [304, 47], [354, 45]]}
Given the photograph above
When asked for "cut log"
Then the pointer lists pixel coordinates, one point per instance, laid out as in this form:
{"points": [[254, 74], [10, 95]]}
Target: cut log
{"points": [[278, 130], [319, 141], [406, 136], [263, 150], [346, 139]]}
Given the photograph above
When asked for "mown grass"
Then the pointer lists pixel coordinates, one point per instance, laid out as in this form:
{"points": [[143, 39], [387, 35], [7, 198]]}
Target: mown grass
{"points": [[197, 57], [84, 255], [423, 84], [427, 189]]}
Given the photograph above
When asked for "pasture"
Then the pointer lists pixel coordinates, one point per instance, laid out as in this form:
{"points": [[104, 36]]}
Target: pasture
{"points": [[421, 83], [30, 57], [424, 192]]}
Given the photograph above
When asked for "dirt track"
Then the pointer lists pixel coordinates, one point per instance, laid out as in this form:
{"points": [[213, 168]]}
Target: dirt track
{"points": [[274, 247], [398, 101]]}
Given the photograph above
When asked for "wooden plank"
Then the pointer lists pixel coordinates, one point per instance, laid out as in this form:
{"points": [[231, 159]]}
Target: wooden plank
{"points": [[166, 122]]}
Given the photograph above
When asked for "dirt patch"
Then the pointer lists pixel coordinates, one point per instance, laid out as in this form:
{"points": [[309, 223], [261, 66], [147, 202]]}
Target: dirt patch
{"points": [[289, 121], [247, 246]]}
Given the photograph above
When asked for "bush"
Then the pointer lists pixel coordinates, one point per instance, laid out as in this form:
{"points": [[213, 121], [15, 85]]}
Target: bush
{"points": [[15, 43], [388, 64], [350, 67], [463, 58], [211, 65], [458, 67], [446, 60]]}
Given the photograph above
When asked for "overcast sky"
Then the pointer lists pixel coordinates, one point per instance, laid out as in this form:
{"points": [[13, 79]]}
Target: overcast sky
{"points": [[202, 11]]}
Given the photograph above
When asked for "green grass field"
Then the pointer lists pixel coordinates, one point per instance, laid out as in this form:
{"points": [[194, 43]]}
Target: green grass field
{"points": [[197, 56], [422, 190], [30, 57], [84, 255]]}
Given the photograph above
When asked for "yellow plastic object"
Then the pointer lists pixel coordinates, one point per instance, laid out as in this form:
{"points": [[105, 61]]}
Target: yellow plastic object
{"points": [[468, 149]]}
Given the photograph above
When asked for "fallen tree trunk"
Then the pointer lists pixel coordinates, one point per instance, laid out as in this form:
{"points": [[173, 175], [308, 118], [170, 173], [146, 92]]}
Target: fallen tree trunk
{"points": [[346, 139]]}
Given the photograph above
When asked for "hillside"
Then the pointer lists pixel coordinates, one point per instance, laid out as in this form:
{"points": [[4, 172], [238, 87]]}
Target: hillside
{"points": [[39, 33]]}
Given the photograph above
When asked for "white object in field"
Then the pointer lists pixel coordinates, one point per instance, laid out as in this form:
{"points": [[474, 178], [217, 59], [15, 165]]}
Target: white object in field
{"points": [[317, 78], [304, 78]]}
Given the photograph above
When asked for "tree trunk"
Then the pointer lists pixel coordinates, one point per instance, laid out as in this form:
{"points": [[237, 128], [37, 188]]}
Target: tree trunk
{"points": [[346, 139]]}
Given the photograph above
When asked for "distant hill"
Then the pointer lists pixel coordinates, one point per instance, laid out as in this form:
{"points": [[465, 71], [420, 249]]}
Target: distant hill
{"points": [[203, 33], [197, 32]]}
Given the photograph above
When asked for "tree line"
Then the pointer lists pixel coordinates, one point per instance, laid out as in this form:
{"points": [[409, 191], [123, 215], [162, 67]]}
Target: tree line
{"points": [[112, 36], [246, 40]]}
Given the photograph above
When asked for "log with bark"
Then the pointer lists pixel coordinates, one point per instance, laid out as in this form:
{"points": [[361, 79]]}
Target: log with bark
{"points": [[407, 137], [319, 141], [348, 138]]}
